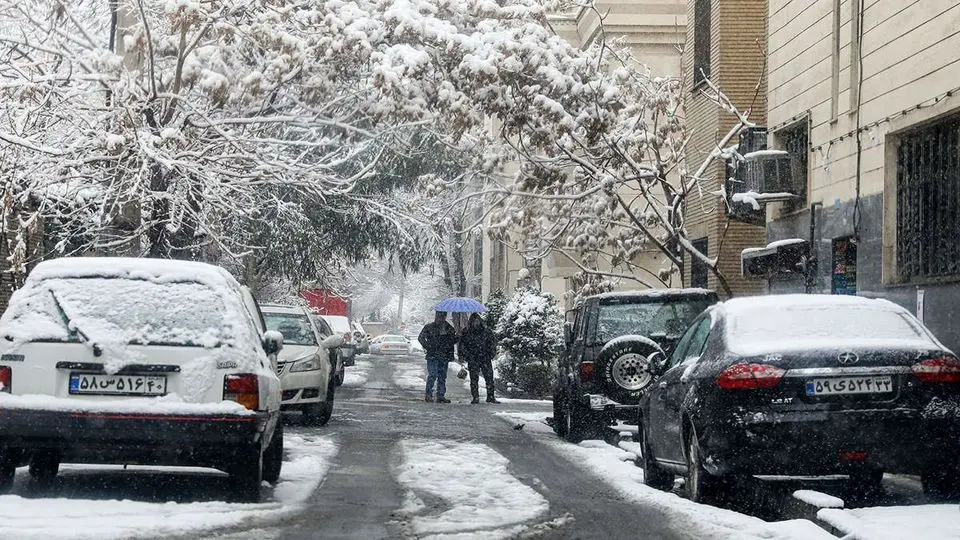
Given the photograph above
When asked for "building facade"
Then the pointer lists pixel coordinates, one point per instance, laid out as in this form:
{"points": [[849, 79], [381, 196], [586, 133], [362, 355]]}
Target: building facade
{"points": [[863, 96], [725, 44]]}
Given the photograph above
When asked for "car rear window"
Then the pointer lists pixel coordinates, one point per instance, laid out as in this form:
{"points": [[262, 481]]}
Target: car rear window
{"points": [[296, 329], [121, 310], [665, 318]]}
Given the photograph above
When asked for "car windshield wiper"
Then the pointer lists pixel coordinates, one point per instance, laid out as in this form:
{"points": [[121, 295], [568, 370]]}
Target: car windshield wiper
{"points": [[71, 327]]}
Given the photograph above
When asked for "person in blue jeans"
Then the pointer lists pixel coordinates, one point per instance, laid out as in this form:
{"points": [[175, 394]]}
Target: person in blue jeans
{"points": [[438, 340]]}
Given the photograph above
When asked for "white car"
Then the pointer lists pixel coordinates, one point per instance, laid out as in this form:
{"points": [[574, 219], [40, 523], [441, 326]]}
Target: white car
{"points": [[306, 365], [339, 371], [390, 344], [138, 361]]}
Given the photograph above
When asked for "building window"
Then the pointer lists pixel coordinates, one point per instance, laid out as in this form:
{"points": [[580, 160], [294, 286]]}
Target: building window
{"points": [[796, 142], [699, 271], [928, 201], [701, 40]]}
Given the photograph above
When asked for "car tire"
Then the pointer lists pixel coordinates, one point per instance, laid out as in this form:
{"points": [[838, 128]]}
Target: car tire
{"points": [[580, 423], [319, 414], [339, 377], [247, 474], [44, 466], [653, 475], [273, 456], [702, 487], [624, 369], [559, 414], [941, 483], [7, 473]]}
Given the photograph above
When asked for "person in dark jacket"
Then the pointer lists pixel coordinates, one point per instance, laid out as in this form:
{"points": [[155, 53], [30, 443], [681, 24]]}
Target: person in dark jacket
{"points": [[438, 340], [478, 347]]}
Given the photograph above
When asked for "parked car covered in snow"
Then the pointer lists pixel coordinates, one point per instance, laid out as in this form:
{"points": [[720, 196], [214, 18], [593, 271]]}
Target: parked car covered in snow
{"points": [[141, 361], [323, 328], [306, 365], [390, 344], [803, 385], [611, 339]]}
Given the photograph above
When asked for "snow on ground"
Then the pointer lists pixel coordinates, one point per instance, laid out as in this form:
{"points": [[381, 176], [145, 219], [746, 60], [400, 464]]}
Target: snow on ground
{"points": [[356, 375], [480, 498], [930, 522], [413, 375], [615, 466], [306, 464], [820, 500]]}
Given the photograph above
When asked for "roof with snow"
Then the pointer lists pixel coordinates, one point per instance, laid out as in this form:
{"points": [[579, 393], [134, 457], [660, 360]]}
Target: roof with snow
{"points": [[653, 293]]}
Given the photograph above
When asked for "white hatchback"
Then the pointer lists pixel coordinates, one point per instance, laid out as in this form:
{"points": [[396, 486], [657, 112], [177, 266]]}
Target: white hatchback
{"points": [[306, 365], [138, 361]]}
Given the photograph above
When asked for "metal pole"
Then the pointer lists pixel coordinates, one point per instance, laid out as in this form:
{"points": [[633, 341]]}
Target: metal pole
{"points": [[810, 268]]}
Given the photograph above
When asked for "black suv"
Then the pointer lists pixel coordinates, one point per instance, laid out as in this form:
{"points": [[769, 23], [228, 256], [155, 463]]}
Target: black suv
{"points": [[611, 339]]}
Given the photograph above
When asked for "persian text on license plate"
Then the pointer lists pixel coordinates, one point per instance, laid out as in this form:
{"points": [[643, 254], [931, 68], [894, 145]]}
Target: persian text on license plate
{"points": [[118, 385], [849, 385]]}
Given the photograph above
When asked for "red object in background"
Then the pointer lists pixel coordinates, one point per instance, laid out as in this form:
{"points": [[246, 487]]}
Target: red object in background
{"points": [[324, 303]]}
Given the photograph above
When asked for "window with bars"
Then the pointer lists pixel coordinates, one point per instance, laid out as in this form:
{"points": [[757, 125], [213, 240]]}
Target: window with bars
{"points": [[928, 201], [702, 16]]}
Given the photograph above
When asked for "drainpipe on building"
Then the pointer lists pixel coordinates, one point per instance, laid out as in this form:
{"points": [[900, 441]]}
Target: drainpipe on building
{"points": [[810, 268]]}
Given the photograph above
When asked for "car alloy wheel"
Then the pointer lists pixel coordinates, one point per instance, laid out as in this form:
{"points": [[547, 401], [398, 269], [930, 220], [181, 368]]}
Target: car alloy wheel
{"points": [[631, 371]]}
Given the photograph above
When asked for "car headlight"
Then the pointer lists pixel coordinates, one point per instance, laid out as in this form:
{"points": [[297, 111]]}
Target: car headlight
{"points": [[310, 364]]}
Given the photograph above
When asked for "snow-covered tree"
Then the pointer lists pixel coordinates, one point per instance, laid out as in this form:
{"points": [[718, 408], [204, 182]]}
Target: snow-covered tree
{"points": [[496, 303], [530, 332]]}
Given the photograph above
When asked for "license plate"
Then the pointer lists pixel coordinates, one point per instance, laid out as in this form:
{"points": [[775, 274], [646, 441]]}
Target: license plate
{"points": [[118, 385], [849, 385]]}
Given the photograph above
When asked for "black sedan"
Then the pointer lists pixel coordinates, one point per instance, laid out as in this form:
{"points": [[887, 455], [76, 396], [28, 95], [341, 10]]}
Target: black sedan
{"points": [[803, 385]]}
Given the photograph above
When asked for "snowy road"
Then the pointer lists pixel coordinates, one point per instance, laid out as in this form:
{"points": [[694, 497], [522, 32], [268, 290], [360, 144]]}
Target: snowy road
{"points": [[389, 465]]}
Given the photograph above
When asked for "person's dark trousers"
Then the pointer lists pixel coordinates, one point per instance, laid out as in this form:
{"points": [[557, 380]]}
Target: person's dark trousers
{"points": [[476, 369]]}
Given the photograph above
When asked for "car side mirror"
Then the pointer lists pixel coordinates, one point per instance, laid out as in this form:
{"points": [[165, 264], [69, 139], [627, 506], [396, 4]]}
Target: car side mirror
{"points": [[272, 342], [568, 333], [332, 342]]}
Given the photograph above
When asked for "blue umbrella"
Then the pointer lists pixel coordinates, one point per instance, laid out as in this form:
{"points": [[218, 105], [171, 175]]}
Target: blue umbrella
{"points": [[459, 304]]}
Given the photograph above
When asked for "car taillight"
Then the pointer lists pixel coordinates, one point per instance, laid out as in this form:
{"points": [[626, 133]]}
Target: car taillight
{"points": [[745, 376], [243, 388], [6, 379], [938, 370], [586, 371]]}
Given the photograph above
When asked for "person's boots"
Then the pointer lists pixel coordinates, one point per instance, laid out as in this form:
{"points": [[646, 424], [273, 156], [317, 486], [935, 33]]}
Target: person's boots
{"points": [[492, 399], [429, 398], [476, 399], [441, 399]]}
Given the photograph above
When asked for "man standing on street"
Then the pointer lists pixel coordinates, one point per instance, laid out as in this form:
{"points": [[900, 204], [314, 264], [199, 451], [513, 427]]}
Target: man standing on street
{"points": [[438, 339], [478, 346]]}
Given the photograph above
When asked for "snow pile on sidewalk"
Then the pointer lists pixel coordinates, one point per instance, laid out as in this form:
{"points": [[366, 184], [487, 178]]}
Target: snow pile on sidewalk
{"points": [[480, 498], [78, 519], [929, 522], [615, 467], [357, 374]]}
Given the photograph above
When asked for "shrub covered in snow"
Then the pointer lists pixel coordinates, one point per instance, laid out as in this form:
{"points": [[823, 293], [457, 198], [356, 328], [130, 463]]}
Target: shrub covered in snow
{"points": [[531, 334], [496, 303]]}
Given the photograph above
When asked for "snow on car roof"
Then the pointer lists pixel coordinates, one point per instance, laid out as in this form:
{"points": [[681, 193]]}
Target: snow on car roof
{"points": [[801, 322], [653, 293], [129, 267]]}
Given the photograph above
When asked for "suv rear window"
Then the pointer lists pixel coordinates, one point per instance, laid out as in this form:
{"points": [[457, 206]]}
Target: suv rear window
{"points": [[658, 318]]}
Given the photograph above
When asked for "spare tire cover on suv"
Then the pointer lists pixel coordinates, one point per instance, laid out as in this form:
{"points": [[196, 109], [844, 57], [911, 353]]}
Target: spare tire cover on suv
{"points": [[623, 367]]}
